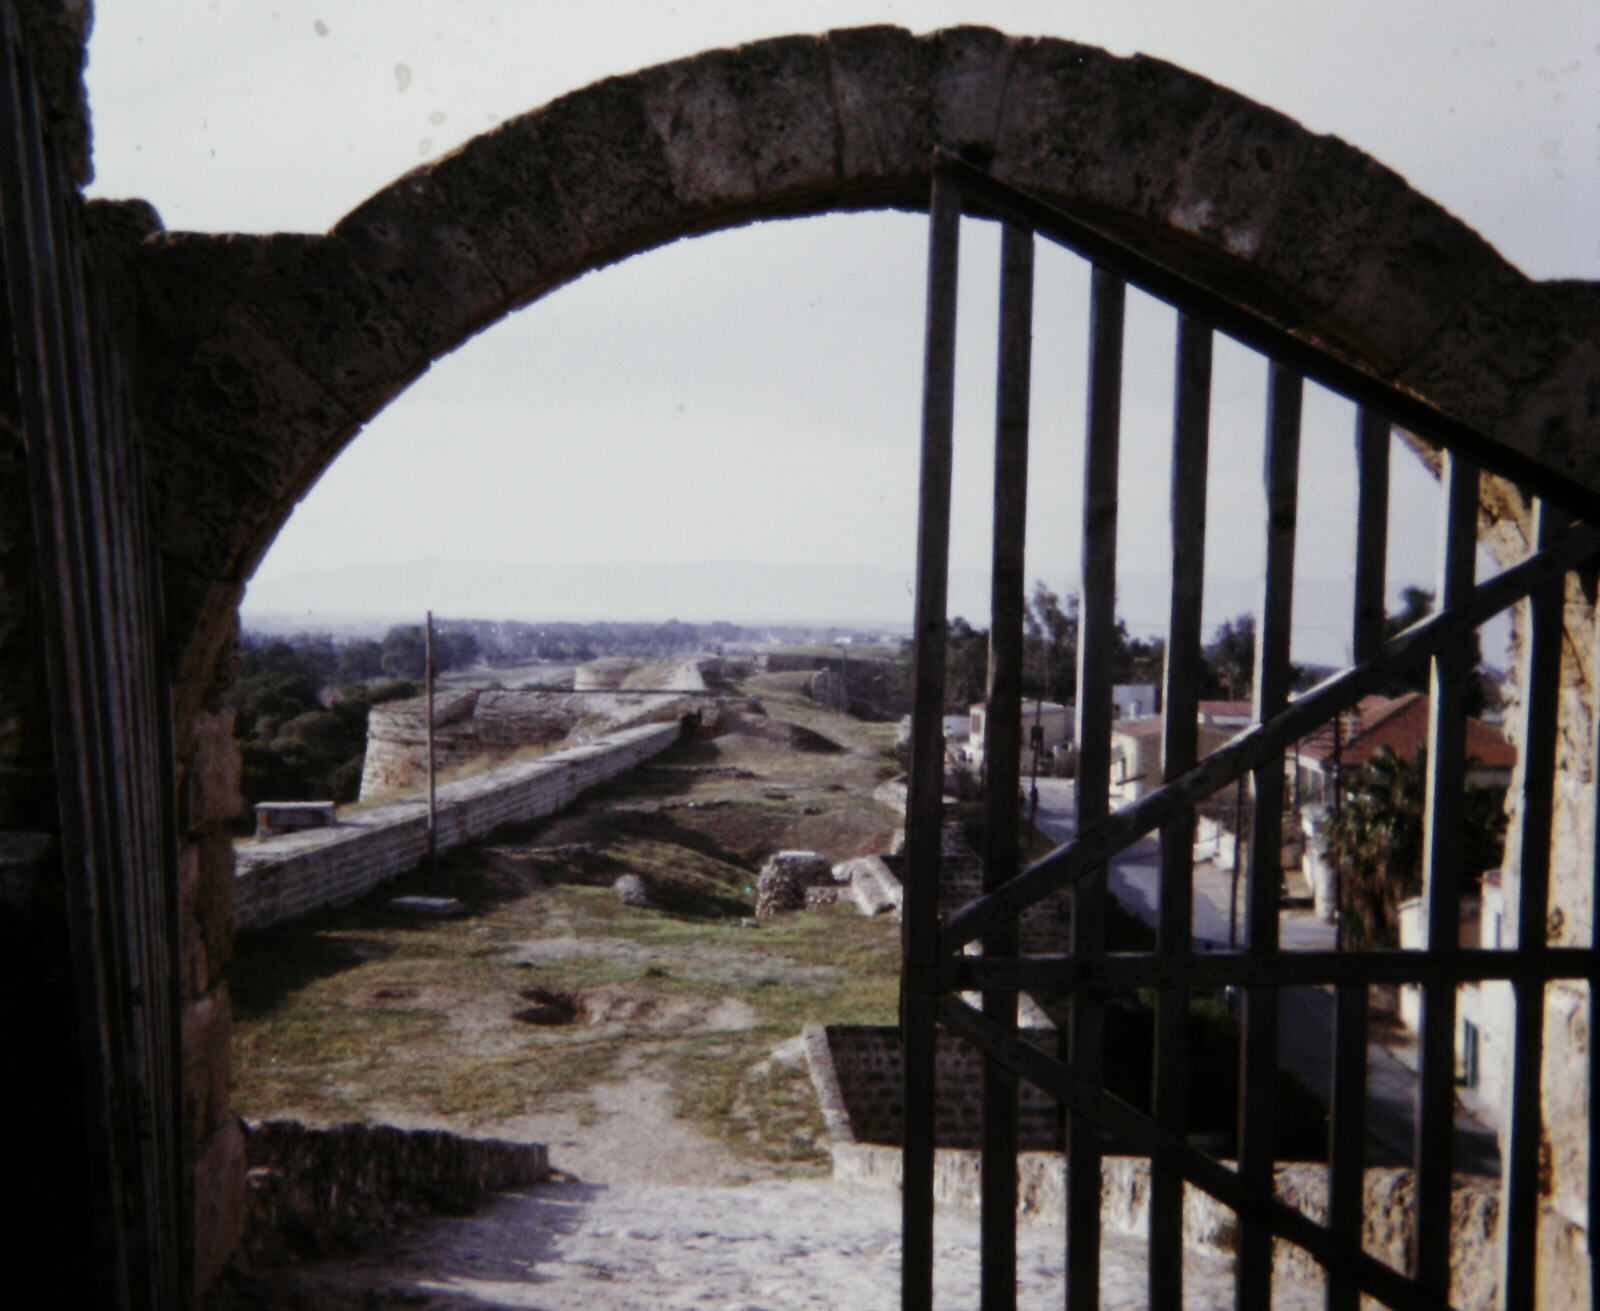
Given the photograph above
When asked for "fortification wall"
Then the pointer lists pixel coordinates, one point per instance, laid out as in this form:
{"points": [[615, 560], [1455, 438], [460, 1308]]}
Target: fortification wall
{"points": [[286, 877]]}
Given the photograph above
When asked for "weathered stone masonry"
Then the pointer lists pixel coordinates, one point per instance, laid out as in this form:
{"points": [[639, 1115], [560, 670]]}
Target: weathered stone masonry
{"points": [[254, 359]]}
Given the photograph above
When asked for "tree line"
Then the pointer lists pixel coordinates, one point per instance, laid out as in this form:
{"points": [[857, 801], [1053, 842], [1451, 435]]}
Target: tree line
{"points": [[301, 703]]}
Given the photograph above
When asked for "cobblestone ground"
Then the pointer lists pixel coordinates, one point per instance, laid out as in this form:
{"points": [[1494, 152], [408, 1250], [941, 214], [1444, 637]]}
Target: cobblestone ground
{"points": [[764, 1247]]}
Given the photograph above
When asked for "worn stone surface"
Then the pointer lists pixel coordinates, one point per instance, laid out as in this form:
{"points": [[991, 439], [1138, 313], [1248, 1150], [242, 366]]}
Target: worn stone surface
{"points": [[217, 1203]]}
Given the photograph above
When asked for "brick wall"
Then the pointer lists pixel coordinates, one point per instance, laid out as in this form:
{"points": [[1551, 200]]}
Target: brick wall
{"points": [[286, 877]]}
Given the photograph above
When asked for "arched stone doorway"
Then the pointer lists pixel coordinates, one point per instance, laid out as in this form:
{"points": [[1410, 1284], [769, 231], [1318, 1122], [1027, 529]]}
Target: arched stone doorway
{"points": [[254, 359]]}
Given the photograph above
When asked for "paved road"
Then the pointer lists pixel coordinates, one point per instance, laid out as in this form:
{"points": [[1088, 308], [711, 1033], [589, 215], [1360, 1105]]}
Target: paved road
{"points": [[1305, 1014]]}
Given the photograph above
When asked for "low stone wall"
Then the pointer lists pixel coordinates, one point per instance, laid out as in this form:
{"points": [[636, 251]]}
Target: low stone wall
{"points": [[287, 877], [314, 1191]]}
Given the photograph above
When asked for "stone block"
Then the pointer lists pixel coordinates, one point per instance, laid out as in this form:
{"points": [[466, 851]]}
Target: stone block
{"points": [[612, 166], [245, 406], [785, 101], [1506, 334], [1230, 182], [210, 772], [695, 110], [1088, 129], [422, 262], [207, 1066], [311, 297], [205, 883], [965, 70], [1409, 267], [218, 1203], [883, 108], [503, 192], [187, 282], [1553, 421]]}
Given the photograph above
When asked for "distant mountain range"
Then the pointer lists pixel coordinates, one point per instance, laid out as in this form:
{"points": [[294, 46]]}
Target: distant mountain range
{"points": [[358, 599]]}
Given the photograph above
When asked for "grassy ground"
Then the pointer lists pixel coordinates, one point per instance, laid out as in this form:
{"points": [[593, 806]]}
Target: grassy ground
{"points": [[370, 1014]]}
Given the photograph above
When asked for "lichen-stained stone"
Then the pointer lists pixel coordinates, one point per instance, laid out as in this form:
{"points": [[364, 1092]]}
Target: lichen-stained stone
{"points": [[205, 900], [612, 168], [883, 109], [244, 404], [209, 776], [1076, 118], [505, 195], [1494, 349], [187, 282], [1556, 419], [1408, 268], [1240, 161], [965, 71], [786, 103], [416, 255], [695, 110], [218, 1203], [313, 301], [207, 1070], [1323, 216]]}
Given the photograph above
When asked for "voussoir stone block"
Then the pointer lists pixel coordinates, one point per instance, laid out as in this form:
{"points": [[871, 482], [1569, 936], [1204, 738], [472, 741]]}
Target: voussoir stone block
{"points": [[694, 108], [786, 104], [612, 167], [1240, 162], [409, 245], [503, 192], [314, 301], [882, 106], [1497, 345], [1075, 117], [248, 407], [1407, 273], [965, 71]]}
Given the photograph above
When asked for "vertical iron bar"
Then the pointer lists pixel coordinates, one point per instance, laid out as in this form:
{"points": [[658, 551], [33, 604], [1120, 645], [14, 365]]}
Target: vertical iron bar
{"points": [[1259, 1047], [1526, 920], [1179, 750], [1002, 753], [1347, 1122], [925, 791], [1441, 864], [1096, 637]]}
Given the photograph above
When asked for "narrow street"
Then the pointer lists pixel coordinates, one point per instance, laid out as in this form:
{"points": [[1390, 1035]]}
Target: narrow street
{"points": [[1305, 1024]]}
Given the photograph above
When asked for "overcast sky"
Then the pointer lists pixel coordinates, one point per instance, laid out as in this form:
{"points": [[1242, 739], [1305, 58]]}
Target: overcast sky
{"points": [[752, 396]]}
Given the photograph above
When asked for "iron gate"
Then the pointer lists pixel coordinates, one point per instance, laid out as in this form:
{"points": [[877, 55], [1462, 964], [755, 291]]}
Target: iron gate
{"points": [[936, 970]]}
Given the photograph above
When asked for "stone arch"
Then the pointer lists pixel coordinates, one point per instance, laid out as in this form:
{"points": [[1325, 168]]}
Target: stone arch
{"points": [[260, 357]]}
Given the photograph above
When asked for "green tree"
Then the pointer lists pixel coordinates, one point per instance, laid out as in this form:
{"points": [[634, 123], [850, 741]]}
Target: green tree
{"points": [[405, 652], [1231, 658], [1375, 842], [1416, 604], [1050, 643], [966, 664], [359, 661]]}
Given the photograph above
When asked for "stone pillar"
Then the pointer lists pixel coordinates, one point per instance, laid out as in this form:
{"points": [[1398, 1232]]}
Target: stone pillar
{"points": [[1564, 1240], [208, 797]]}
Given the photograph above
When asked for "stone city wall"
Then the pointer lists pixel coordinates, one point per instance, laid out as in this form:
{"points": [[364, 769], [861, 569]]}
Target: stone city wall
{"points": [[286, 877]]}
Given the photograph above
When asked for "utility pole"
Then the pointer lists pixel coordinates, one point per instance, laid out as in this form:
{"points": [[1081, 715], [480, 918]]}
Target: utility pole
{"points": [[428, 658]]}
